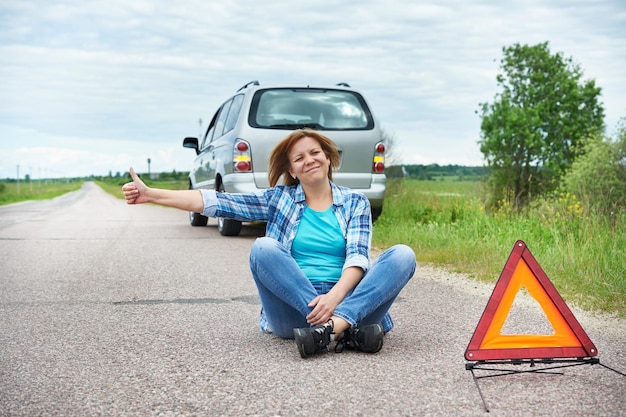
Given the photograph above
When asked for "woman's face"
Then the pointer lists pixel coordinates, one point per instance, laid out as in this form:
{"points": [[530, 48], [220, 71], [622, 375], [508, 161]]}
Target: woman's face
{"points": [[309, 163]]}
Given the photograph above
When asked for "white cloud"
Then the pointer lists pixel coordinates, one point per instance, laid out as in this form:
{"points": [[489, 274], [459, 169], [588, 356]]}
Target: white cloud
{"points": [[102, 82]]}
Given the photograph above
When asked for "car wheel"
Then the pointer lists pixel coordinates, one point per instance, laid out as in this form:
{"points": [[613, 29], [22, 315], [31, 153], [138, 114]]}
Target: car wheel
{"points": [[228, 227], [197, 219], [376, 212]]}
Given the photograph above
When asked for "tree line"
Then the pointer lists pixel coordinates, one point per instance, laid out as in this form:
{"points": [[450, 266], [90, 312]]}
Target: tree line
{"points": [[433, 172]]}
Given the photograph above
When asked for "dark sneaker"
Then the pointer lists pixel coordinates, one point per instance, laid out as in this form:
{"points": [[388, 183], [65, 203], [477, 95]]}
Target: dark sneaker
{"points": [[311, 340], [368, 339]]}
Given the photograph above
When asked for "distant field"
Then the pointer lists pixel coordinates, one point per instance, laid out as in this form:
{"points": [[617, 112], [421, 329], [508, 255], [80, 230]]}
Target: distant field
{"points": [[35, 190], [10, 192], [114, 186]]}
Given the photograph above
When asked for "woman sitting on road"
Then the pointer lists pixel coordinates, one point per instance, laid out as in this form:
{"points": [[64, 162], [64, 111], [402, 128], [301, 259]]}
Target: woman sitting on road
{"points": [[312, 268]]}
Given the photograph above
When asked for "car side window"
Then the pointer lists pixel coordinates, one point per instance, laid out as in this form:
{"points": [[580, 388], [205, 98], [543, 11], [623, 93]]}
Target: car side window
{"points": [[209, 131], [233, 114], [221, 120]]}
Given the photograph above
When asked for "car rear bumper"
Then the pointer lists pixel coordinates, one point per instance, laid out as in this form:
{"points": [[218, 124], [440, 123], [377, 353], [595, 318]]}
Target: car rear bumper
{"points": [[244, 183], [239, 183], [376, 192]]}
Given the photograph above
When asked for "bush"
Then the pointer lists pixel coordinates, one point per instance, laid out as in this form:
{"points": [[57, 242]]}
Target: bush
{"points": [[598, 176]]}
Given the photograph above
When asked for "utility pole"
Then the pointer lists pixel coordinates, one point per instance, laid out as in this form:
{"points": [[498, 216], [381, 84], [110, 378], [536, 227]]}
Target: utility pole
{"points": [[18, 178], [200, 128], [149, 167]]}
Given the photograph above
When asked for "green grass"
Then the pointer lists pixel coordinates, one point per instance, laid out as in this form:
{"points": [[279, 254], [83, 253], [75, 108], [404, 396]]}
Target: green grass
{"points": [[36, 190], [446, 224]]}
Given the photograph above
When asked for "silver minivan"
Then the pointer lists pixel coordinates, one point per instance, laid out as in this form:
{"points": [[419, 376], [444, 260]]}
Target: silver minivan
{"points": [[233, 154]]}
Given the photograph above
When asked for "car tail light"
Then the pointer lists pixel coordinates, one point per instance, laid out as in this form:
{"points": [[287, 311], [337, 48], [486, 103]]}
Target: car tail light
{"points": [[242, 159], [378, 166], [242, 146]]}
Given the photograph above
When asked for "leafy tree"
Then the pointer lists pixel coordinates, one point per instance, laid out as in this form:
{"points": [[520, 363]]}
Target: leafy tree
{"points": [[534, 129], [599, 176]]}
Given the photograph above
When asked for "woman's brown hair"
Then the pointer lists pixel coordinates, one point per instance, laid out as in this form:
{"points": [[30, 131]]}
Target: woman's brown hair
{"points": [[279, 158]]}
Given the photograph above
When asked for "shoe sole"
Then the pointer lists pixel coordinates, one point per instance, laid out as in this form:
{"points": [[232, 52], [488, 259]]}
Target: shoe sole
{"points": [[300, 338], [380, 341]]}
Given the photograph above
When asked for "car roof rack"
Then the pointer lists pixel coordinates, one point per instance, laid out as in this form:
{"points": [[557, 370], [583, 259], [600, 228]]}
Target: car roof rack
{"points": [[343, 85], [255, 82]]}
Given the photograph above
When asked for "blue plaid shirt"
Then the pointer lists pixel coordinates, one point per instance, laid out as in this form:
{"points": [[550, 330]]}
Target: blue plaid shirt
{"points": [[282, 207]]}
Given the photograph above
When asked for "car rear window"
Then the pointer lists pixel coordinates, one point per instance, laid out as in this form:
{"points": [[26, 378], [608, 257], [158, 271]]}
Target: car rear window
{"points": [[321, 109]]}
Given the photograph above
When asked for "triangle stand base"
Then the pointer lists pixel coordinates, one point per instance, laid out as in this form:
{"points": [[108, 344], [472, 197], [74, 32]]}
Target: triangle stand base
{"points": [[547, 367]]}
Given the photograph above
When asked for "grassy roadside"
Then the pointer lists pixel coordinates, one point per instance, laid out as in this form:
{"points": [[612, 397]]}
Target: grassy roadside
{"points": [[47, 189], [36, 190], [446, 224]]}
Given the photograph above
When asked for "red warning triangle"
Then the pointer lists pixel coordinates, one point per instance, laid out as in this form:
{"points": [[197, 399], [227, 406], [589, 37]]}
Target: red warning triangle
{"points": [[569, 339]]}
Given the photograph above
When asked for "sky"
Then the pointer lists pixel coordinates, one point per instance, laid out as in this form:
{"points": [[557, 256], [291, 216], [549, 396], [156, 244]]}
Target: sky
{"points": [[92, 88]]}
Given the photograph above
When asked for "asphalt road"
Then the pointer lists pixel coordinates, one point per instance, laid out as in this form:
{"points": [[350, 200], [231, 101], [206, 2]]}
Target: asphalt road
{"points": [[109, 309]]}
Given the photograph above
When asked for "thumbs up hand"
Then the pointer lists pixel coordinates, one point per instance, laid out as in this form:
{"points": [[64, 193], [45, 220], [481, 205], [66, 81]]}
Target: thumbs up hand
{"points": [[135, 191]]}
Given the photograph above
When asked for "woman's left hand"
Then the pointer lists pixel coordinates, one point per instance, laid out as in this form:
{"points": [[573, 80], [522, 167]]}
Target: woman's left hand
{"points": [[323, 308]]}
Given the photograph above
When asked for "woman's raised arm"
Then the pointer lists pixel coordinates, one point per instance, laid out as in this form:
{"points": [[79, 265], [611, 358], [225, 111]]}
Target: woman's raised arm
{"points": [[136, 192]]}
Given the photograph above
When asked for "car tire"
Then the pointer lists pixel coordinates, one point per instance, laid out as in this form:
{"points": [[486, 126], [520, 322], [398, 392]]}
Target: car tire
{"points": [[376, 212], [197, 219], [228, 227]]}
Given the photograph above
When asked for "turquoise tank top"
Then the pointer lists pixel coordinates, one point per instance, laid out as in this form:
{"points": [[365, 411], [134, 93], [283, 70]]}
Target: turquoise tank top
{"points": [[319, 247]]}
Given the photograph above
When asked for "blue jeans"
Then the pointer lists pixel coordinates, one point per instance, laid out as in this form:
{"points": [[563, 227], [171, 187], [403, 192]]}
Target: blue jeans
{"points": [[285, 291]]}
